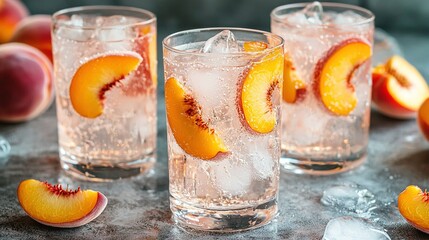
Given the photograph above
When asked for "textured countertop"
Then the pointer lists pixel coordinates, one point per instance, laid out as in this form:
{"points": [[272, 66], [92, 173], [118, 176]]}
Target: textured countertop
{"points": [[139, 209]]}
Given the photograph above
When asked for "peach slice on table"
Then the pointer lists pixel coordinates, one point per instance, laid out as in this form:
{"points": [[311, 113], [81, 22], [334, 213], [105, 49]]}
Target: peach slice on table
{"points": [[97, 76], [423, 118], [255, 96], [398, 88], [57, 207], [191, 132], [294, 88], [333, 74], [413, 204]]}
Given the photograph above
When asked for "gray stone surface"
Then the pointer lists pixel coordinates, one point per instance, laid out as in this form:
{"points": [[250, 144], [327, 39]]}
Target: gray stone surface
{"points": [[139, 208]]}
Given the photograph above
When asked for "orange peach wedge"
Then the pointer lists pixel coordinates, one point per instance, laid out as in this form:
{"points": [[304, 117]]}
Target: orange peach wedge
{"points": [[413, 204], [333, 74], [423, 118], [255, 96], [57, 207], [398, 88], [294, 88], [97, 76], [191, 132]]}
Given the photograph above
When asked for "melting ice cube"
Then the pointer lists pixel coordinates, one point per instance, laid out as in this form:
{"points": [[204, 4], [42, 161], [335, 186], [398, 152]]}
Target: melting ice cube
{"points": [[349, 198], [350, 228], [223, 42]]}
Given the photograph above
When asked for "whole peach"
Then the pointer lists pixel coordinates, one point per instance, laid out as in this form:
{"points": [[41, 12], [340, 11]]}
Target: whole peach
{"points": [[11, 13], [35, 31], [26, 88]]}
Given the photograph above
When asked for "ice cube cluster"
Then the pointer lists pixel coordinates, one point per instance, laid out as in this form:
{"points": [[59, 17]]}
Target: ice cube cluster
{"points": [[313, 14]]}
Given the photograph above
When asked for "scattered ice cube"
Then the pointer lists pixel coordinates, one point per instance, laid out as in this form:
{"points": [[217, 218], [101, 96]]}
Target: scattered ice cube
{"points": [[349, 199], [230, 177], [223, 42], [313, 13], [350, 228], [4, 148]]}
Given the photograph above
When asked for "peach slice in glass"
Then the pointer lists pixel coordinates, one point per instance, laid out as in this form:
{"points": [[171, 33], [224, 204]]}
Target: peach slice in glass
{"points": [[294, 88], [263, 79], [333, 75], [97, 76], [413, 204], [254, 46], [191, 132], [54, 206]]}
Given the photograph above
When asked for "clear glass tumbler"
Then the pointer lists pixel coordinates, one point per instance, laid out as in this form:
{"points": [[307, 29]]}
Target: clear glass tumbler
{"points": [[222, 95], [105, 79], [327, 85]]}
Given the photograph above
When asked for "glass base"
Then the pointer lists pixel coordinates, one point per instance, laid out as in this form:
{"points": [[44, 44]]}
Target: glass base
{"points": [[222, 220], [104, 171], [303, 165]]}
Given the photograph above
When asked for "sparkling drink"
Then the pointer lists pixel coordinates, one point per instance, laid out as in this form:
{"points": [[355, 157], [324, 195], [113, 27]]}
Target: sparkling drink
{"points": [[105, 78], [327, 85], [222, 93]]}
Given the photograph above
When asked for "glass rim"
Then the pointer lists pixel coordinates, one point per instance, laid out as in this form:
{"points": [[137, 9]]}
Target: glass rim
{"points": [[101, 8], [368, 18], [199, 30]]}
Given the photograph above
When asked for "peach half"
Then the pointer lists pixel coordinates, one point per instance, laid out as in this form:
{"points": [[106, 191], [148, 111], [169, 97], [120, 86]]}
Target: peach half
{"points": [[97, 76], [256, 93], [294, 88], [423, 118], [11, 13], [333, 74], [57, 207], [398, 88], [26, 87], [413, 204], [35, 31], [191, 132]]}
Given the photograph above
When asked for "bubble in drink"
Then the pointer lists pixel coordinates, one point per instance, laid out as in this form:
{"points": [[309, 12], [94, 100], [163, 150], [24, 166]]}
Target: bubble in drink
{"points": [[350, 228], [223, 42]]}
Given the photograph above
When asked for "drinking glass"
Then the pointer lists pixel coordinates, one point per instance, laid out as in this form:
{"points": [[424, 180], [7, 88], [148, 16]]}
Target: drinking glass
{"points": [[105, 79], [327, 85], [222, 95]]}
